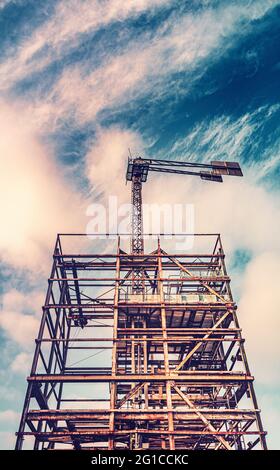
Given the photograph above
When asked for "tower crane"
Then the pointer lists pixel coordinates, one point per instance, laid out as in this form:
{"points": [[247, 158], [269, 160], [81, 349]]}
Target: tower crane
{"points": [[138, 170]]}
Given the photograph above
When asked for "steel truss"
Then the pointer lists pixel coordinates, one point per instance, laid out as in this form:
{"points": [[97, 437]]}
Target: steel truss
{"points": [[164, 368]]}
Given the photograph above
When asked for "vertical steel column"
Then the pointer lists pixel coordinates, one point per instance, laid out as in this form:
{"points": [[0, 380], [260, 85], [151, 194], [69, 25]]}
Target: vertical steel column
{"points": [[165, 349], [113, 385], [245, 361], [28, 396]]}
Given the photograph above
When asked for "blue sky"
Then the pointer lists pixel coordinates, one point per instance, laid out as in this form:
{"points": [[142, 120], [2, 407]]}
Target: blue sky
{"points": [[80, 82]]}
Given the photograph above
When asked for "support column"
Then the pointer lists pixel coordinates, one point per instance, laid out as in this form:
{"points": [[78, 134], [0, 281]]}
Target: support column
{"points": [[113, 385], [165, 349]]}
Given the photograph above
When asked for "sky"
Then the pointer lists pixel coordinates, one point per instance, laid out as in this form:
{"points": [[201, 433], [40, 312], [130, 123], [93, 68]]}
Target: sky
{"points": [[81, 81]]}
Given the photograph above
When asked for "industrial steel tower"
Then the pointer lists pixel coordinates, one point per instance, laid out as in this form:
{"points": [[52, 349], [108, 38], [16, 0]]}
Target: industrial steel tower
{"points": [[141, 348]]}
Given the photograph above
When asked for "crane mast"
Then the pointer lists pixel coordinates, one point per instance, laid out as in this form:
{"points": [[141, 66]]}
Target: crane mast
{"points": [[137, 242]]}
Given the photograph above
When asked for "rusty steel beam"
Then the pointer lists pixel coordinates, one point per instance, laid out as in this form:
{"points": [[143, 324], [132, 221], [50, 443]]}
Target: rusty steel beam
{"points": [[185, 377], [167, 432], [76, 414]]}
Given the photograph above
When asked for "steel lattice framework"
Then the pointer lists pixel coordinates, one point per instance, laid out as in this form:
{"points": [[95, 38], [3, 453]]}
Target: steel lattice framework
{"points": [[137, 242], [160, 368]]}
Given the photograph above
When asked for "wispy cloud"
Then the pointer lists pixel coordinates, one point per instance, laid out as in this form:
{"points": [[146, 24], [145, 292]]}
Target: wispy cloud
{"points": [[181, 43], [61, 32], [229, 138], [177, 46]]}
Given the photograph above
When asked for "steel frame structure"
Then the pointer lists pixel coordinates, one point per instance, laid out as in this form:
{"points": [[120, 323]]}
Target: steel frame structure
{"points": [[161, 368]]}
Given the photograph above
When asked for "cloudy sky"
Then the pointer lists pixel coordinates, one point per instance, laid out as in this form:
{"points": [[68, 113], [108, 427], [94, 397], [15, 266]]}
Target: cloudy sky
{"points": [[83, 80]]}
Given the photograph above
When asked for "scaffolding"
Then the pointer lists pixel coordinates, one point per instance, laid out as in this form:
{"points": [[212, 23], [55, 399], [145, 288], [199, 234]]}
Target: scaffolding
{"points": [[160, 368]]}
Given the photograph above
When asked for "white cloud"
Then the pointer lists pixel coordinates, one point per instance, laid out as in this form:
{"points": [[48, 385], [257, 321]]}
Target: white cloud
{"points": [[19, 317], [21, 328], [259, 315], [15, 300], [22, 363], [106, 160], [36, 199]]}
